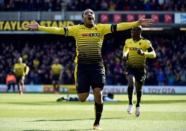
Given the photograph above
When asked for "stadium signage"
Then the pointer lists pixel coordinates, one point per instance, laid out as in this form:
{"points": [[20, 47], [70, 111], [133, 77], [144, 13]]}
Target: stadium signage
{"points": [[107, 89], [63, 89], [20, 25], [119, 17], [147, 89], [160, 90], [180, 18]]}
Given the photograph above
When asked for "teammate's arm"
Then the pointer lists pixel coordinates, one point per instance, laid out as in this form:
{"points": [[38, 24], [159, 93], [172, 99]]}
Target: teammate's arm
{"points": [[149, 53], [27, 69], [125, 51]]}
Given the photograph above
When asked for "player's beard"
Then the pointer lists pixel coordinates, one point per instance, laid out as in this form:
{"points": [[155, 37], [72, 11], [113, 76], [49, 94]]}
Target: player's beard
{"points": [[90, 22]]}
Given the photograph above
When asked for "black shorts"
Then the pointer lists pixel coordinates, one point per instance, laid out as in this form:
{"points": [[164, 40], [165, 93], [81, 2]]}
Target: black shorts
{"points": [[20, 79], [138, 73], [55, 78], [87, 75]]}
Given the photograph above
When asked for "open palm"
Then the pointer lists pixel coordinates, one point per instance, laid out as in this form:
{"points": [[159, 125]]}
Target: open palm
{"points": [[33, 26], [145, 22]]}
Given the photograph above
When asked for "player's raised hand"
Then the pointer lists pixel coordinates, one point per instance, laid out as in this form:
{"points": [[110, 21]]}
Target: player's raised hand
{"points": [[145, 22], [33, 26]]}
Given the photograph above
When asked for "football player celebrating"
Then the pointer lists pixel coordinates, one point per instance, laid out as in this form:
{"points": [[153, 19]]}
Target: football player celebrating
{"points": [[89, 69], [135, 52]]}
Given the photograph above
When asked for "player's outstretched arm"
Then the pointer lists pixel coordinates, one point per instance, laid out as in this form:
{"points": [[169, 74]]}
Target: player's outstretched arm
{"points": [[52, 30], [145, 22], [128, 25], [110, 28], [33, 26]]}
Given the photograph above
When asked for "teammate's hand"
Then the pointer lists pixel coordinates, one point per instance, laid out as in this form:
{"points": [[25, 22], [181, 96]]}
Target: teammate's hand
{"points": [[145, 22], [125, 57], [140, 52], [33, 26]]}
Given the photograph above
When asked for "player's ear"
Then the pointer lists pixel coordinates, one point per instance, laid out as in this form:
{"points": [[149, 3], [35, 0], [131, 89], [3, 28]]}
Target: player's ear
{"points": [[82, 15]]}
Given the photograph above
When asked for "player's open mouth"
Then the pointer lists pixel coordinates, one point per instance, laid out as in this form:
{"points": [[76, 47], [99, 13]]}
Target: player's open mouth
{"points": [[90, 18]]}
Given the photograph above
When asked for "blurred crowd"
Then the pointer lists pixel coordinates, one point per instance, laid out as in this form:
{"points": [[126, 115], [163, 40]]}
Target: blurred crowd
{"points": [[39, 53], [39, 56], [98, 5]]}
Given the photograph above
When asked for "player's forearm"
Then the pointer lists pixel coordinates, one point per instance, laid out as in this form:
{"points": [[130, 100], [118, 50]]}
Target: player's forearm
{"points": [[125, 54], [27, 70], [125, 51], [52, 30], [151, 54], [127, 25]]}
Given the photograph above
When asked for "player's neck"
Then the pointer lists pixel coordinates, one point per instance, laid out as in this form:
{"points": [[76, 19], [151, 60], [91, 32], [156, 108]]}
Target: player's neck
{"points": [[89, 25]]}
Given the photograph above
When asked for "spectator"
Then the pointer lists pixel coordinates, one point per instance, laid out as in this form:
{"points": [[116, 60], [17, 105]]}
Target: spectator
{"points": [[10, 81], [103, 5]]}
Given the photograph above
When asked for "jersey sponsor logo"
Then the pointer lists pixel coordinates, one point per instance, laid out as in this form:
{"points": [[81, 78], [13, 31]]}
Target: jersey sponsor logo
{"points": [[133, 48], [91, 34]]}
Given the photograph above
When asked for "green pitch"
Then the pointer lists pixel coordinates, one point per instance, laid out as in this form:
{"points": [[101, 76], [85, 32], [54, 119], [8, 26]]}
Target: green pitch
{"points": [[41, 112]]}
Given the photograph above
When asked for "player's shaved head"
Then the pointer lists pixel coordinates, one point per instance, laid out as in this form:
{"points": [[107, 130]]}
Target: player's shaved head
{"points": [[138, 28], [136, 32], [86, 10], [20, 60]]}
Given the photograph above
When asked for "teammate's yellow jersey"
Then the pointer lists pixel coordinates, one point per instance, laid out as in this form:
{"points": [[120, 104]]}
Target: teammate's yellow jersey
{"points": [[20, 69], [56, 69], [88, 40], [131, 46]]}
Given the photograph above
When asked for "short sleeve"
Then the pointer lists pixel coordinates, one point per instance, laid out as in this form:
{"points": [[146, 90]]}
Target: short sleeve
{"points": [[104, 28], [71, 30]]}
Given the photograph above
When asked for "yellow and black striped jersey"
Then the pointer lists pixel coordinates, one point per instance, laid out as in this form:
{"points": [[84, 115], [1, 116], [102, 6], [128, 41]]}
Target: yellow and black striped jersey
{"points": [[88, 42], [20, 69], [131, 46]]}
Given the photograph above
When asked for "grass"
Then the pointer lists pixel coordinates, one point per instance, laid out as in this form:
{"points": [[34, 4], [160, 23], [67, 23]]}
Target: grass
{"points": [[30, 112]]}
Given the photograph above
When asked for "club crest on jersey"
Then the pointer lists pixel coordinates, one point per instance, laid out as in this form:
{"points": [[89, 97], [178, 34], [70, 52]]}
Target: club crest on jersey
{"points": [[91, 34]]}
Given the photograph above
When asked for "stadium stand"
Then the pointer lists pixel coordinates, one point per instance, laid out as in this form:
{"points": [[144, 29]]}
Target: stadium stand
{"points": [[99, 5]]}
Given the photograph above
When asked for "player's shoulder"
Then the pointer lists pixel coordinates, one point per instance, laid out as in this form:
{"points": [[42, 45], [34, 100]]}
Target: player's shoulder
{"points": [[101, 25], [146, 41], [74, 26], [16, 64], [59, 65], [23, 64], [128, 40]]}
